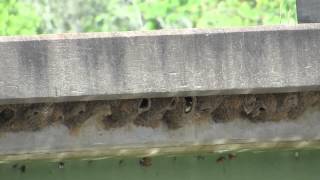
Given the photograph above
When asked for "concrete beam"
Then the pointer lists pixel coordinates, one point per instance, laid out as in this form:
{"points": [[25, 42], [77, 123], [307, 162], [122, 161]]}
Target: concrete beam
{"points": [[75, 67], [308, 11]]}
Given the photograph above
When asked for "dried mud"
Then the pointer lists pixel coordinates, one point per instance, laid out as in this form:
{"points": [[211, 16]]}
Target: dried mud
{"points": [[173, 112]]}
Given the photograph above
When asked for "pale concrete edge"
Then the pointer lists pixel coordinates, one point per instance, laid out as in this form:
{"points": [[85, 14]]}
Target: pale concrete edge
{"points": [[158, 95], [104, 153]]}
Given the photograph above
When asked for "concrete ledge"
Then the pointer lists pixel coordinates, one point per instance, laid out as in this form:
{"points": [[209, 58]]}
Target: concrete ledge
{"points": [[75, 67]]}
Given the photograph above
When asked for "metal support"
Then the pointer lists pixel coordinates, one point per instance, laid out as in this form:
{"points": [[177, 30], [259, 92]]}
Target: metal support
{"points": [[308, 11]]}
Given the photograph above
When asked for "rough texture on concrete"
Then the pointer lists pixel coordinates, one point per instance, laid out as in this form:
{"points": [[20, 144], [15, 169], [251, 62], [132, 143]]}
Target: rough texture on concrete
{"points": [[75, 67], [147, 127], [172, 113], [308, 11]]}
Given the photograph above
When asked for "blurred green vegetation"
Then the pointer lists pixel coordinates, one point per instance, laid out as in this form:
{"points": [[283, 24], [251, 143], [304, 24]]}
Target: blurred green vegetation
{"points": [[56, 16], [18, 18]]}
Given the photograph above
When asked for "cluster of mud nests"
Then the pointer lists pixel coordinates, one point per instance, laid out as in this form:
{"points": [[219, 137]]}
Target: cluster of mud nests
{"points": [[172, 112]]}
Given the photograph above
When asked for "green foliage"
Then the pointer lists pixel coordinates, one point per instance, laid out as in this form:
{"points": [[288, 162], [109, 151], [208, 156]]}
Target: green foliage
{"points": [[17, 18], [122, 15], [86, 15], [215, 13]]}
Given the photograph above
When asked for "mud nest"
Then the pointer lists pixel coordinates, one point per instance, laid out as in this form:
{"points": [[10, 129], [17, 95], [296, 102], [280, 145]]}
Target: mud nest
{"points": [[173, 112]]}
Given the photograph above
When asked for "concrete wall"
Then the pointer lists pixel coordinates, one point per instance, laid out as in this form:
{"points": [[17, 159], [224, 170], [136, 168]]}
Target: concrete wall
{"points": [[159, 63]]}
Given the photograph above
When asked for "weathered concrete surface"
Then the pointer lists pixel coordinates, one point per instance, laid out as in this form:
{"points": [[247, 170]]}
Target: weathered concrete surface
{"points": [[308, 11], [159, 63]]}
